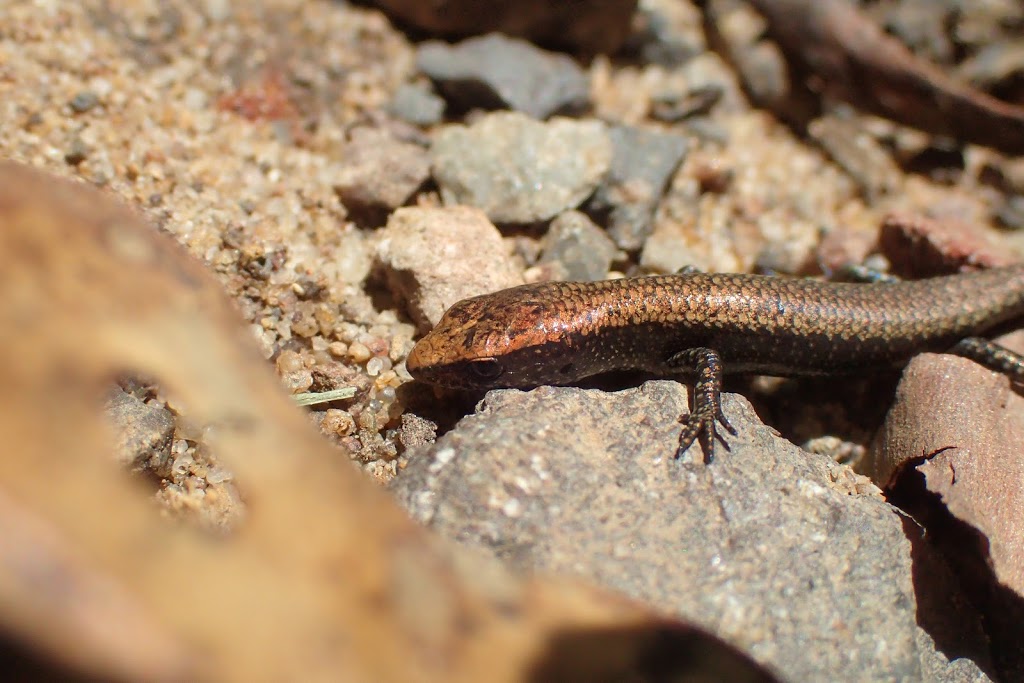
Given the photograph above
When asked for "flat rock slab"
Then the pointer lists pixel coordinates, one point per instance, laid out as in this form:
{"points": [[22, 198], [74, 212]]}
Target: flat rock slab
{"points": [[769, 546], [953, 437], [961, 426]]}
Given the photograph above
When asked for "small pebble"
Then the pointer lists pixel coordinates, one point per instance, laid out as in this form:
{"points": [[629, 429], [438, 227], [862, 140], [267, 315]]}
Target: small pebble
{"points": [[289, 361], [338, 422], [584, 249], [76, 153], [433, 257], [1011, 213], [388, 380], [673, 107], [379, 171], [216, 475], [306, 325], [374, 366], [358, 352], [83, 101], [416, 105], [858, 153]]}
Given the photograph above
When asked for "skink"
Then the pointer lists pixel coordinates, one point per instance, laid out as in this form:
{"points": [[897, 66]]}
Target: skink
{"points": [[701, 325]]}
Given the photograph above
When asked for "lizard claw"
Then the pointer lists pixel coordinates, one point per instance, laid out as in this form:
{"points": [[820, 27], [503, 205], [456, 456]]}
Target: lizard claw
{"points": [[703, 420], [703, 423]]}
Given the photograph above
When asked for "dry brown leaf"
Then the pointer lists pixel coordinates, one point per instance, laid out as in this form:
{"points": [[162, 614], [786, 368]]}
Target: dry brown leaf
{"points": [[853, 59]]}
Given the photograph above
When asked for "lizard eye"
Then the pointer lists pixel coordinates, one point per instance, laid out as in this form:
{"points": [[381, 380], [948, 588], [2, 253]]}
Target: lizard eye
{"points": [[486, 368]]}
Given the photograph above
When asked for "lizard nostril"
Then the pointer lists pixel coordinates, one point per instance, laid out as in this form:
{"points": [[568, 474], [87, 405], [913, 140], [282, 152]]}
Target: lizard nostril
{"points": [[415, 361]]}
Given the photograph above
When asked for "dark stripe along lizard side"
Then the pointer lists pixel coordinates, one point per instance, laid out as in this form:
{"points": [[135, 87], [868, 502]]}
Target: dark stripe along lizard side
{"points": [[699, 325]]}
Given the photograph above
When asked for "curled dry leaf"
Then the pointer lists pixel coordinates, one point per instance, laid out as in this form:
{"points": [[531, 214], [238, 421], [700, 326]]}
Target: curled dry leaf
{"points": [[326, 576], [853, 59]]}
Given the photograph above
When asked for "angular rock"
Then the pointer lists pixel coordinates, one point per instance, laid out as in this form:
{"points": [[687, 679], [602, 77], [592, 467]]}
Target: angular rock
{"points": [[676, 106], [994, 65], [378, 171], [857, 153], [519, 170], [416, 105], [1011, 213], [642, 164], [739, 29], [497, 72], [143, 432], [583, 249], [669, 32], [951, 450], [923, 26], [768, 546]]}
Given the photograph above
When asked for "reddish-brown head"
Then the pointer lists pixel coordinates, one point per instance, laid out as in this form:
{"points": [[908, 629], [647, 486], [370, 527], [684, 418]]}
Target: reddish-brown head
{"points": [[512, 338]]}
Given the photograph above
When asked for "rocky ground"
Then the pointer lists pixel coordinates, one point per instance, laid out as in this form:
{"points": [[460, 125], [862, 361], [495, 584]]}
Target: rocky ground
{"points": [[349, 171]]}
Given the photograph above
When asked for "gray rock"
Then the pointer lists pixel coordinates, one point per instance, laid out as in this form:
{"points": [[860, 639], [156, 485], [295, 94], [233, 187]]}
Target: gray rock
{"points": [[994, 65], [584, 249], [497, 72], [77, 152], [416, 105], [669, 32], [770, 547], [780, 257], [671, 107], [858, 153], [143, 432], [923, 26], [760, 64], [642, 164], [379, 171], [1011, 213], [519, 170], [83, 101]]}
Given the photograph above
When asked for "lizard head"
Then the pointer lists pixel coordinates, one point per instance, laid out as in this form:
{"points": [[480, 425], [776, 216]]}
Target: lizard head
{"points": [[511, 338]]}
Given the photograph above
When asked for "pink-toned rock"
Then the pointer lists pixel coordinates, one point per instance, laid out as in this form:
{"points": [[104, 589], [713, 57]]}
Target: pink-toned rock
{"points": [[962, 427], [379, 171], [433, 257], [919, 247], [841, 247]]}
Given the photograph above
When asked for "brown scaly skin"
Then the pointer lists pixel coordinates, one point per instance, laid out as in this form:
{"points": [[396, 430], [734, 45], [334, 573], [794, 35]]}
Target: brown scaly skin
{"points": [[697, 325]]}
